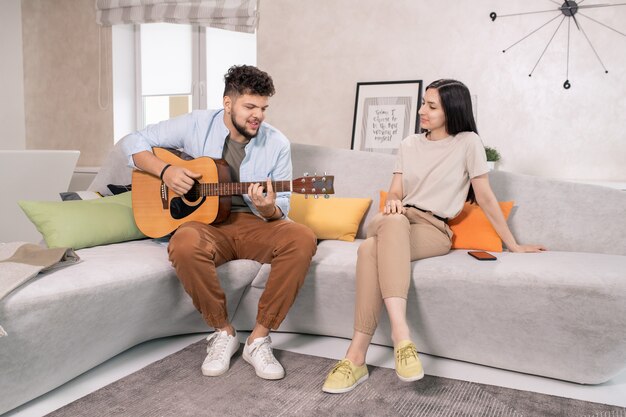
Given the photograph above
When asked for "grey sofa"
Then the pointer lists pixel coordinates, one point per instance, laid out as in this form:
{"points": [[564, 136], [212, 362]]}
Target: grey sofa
{"points": [[559, 314]]}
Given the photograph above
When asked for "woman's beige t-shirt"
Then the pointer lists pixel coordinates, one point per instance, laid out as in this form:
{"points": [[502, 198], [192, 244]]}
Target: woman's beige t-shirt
{"points": [[436, 174]]}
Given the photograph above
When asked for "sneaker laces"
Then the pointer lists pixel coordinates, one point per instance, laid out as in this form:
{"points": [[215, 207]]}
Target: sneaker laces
{"points": [[264, 350], [343, 367], [405, 353], [216, 347]]}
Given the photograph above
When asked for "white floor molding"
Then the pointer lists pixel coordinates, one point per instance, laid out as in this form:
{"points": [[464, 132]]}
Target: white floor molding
{"points": [[612, 392]]}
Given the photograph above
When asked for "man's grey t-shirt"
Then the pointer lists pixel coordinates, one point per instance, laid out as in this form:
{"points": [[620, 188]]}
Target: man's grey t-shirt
{"points": [[234, 152]]}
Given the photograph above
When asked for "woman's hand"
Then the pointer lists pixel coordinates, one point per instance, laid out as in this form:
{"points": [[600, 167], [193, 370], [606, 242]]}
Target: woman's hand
{"points": [[527, 248], [394, 207]]}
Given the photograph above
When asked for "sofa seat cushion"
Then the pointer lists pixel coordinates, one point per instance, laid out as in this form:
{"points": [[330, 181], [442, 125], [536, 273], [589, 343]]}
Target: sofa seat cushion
{"points": [[332, 255], [127, 263], [558, 314], [325, 303], [64, 322], [535, 313]]}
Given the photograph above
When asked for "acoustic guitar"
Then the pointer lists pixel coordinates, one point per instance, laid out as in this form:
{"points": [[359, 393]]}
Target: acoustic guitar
{"points": [[159, 211]]}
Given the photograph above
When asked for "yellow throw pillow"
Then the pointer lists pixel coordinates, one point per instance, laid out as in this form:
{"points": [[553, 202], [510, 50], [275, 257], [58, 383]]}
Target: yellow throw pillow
{"points": [[472, 229], [329, 218]]}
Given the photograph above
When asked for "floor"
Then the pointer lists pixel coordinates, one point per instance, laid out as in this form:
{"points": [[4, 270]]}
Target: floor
{"points": [[613, 392]]}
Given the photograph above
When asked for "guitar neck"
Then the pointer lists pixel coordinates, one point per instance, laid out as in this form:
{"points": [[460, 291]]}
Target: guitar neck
{"points": [[237, 188]]}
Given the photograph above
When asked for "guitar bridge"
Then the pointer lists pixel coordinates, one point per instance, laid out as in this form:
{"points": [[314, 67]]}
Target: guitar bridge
{"points": [[164, 195]]}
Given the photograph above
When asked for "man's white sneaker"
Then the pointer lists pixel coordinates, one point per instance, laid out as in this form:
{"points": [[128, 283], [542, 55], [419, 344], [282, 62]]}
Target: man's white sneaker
{"points": [[259, 354], [220, 349]]}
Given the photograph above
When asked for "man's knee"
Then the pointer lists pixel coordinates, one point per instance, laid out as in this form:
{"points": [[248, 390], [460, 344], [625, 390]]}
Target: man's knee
{"points": [[187, 240], [299, 236]]}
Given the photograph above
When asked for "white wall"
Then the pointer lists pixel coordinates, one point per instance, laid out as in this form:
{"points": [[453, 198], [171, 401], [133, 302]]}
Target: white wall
{"points": [[317, 51], [12, 122]]}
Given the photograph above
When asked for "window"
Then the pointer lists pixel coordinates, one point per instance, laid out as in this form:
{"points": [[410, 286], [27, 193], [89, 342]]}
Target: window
{"points": [[162, 70], [166, 71]]}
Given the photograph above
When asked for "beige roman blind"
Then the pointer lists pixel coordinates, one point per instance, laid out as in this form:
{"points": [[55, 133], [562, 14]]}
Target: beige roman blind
{"points": [[236, 15]]}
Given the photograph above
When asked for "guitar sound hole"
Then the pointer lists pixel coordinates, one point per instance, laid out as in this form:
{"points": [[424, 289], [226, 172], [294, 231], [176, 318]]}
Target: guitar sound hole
{"points": [[194, 193], [180, 210]]}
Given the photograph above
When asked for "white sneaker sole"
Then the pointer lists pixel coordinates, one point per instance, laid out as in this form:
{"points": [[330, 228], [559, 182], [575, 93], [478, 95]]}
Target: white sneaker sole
{"points": [[259, 373], [214, 372], [348, 389]]}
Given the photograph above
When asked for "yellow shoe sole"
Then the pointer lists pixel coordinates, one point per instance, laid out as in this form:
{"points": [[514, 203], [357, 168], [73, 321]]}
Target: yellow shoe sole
{"points": [[348, 389], [412, 378]]}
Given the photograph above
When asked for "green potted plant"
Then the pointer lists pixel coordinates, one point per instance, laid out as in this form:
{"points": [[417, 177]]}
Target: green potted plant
{"points": [[493, 156]]}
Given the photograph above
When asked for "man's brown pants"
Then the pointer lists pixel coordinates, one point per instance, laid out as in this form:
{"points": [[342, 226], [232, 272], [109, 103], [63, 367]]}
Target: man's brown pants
{"points": [[197, 249]]}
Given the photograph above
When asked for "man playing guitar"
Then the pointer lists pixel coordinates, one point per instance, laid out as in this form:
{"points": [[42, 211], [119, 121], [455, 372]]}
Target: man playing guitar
{"points": [[257, 227]]}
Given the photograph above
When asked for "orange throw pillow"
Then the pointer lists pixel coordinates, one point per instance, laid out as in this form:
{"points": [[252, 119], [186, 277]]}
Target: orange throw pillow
{"points": [[472, 230], [382, 200]]}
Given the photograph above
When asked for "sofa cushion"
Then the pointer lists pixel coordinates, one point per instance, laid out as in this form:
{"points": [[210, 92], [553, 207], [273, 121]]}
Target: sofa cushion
{"points": [[120, 295], [114, 170], [329, 218], [539, 313], [84, 223], [357, 174], [563, 216]]}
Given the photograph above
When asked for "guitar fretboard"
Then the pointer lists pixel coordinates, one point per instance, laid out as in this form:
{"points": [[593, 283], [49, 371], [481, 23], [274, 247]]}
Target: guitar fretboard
{"points": [[234, 188]]}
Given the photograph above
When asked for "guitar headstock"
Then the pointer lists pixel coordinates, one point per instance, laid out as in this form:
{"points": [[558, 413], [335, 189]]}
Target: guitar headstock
{"points": [[315, 185]]}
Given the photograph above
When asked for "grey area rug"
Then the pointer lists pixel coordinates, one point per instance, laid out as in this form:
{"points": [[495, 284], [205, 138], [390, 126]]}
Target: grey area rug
{"points": [[174, 386]]}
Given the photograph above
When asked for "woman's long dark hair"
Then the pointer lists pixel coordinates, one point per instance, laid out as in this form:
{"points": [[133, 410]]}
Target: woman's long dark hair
{"points": [[457, 107]]}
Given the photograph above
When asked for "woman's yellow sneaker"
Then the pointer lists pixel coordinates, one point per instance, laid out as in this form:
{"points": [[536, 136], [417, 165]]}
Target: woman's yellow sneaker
{"points": [[408, 365], [344, 377]]}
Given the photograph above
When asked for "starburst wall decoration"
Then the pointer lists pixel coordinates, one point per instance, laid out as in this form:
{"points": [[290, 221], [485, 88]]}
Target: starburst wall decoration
{"points": [[571, 10]]}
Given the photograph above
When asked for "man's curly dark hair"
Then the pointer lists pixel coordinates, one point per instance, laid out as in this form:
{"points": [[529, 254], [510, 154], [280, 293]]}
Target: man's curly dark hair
{"points": [[246, 79]]}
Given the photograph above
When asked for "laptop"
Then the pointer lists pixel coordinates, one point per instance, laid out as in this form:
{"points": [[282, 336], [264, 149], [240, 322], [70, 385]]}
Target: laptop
{"points": [[30, 175]]}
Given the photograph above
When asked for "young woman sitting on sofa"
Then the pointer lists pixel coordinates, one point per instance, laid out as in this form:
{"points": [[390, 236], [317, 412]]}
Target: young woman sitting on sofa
{"points": [[435, 173]]}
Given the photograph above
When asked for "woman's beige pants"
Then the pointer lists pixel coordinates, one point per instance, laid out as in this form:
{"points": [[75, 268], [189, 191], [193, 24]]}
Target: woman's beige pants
{"points": [[383, 267]]}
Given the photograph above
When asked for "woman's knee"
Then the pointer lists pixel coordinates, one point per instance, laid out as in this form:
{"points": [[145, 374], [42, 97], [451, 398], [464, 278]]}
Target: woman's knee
{"points": [[367, 249], [383, 222], [398, 220]]}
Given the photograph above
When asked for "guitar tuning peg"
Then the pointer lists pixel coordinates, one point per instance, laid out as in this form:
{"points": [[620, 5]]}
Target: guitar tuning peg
{"points": [[306, 174], [326, 196], [315, 174], [325, 173], [317, 196], [306, 196]]}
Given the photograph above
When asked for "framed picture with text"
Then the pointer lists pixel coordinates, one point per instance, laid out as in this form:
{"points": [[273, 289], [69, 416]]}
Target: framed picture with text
{"points": [[385, 113]]}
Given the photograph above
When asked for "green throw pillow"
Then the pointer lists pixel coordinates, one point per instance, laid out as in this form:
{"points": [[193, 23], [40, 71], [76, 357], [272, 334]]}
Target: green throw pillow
{"points": [[84, 223]]}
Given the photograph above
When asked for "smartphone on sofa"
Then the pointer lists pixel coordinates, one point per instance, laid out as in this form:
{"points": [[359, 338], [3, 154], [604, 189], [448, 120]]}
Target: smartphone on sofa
{"points": [[481, 255]]}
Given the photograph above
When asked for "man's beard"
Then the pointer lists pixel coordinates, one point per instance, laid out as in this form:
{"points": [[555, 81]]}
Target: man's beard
{"points": [[242, 129]]}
